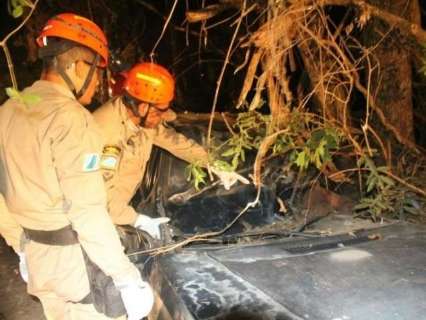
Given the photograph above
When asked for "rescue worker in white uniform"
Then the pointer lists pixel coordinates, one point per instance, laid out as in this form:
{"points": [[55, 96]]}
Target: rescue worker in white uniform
{"points": [[50, 179], [131, 124]]}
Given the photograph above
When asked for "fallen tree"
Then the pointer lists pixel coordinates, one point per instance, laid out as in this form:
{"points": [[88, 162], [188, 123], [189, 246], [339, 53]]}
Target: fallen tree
{"points": [[296, 37]]}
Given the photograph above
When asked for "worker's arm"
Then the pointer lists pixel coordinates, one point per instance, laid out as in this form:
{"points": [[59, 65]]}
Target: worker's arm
{"points": [[190, 151], [10, 230], [181, 146], [118, 205], [76, 149]]}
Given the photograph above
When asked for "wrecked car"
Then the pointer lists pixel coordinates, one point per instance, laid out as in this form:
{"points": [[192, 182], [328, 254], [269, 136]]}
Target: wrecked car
{"points": [[259, 269]]}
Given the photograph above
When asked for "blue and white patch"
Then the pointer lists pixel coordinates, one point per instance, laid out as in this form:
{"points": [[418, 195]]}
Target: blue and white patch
{"points": [[91, 162], [109, 162], [110, 157]]}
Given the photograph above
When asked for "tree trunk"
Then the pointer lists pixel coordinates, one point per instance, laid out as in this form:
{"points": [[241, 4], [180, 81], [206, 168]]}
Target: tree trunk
{"points": [[331, 95], [391, 84]]}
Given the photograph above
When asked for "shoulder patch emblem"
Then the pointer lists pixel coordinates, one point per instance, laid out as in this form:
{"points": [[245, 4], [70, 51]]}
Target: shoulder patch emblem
{"points": [[110, 157], [91, 162]]}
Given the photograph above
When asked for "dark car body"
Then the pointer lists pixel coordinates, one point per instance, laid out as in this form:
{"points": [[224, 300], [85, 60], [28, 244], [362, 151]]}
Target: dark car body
{"points": [[361, 271]]}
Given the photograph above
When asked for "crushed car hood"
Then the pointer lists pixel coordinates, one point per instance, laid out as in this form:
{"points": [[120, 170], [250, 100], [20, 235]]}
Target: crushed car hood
{"points": [[379, 274]]}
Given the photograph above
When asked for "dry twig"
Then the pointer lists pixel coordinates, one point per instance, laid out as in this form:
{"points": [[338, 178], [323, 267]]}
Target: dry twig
{"points": [[225, 63], [3, 44], [164, 29]]}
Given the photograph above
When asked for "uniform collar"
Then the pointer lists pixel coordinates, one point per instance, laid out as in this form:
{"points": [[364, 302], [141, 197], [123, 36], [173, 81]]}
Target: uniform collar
{"points": [[55, 86]]}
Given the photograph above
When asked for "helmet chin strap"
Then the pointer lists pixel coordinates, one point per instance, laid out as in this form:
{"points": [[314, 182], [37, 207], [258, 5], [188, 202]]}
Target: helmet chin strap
{"points": [[133, 104], [87, 81], [143, 119], [65, 77]]}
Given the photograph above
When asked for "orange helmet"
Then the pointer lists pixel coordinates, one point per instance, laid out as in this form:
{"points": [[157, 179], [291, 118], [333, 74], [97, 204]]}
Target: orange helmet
{"points": [[150, 82], [78, 29]]}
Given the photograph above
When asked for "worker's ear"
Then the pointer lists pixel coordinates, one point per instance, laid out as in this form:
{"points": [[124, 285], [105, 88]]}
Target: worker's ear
{"points": [[81, 69]]}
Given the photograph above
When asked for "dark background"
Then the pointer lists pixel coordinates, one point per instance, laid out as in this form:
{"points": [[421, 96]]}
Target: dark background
{"points": [[132, 30], [193, 56]]}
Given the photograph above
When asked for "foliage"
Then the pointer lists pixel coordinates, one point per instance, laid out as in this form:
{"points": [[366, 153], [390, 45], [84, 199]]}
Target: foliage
{"points": [[223, 166], [318, 148], [306, 142], [383, 197], [309, 143], [250, 129], [16, 7], [25, 98], [393, 202], [196, 173], [289, 140]]}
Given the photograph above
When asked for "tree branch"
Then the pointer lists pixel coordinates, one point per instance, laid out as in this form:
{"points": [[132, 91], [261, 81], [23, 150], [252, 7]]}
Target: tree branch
{"points": [[213, 10], [3, 44], [402, 24], [151, 8]]}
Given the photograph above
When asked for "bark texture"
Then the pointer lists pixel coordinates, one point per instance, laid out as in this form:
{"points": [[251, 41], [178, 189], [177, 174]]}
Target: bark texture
{"points": [[392, 82]]}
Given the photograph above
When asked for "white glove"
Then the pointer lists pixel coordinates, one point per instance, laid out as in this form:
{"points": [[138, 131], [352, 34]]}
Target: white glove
{"points": [[150, 225], [229, 178], [23, 270], [138, 299]]}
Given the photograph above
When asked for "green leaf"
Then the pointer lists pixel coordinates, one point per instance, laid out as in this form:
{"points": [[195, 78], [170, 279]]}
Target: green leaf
{"points": [[195, 172], [302, 160], [332, 139], [222, 165], [25, 3], [362, 206], [317, 136], [321, 148], [17, 11], [26, 98], [199, 180], [30, 99], [234, 162], [388, 181], [383, 169], [360, 162], [371, 183], [228, 152], [13, 93], [381, 205], [319, 154], [326, 157], [370, 165]]}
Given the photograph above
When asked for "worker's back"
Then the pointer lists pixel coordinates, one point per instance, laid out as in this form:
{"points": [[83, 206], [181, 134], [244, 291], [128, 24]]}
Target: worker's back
{"points": [[29, 132]]}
